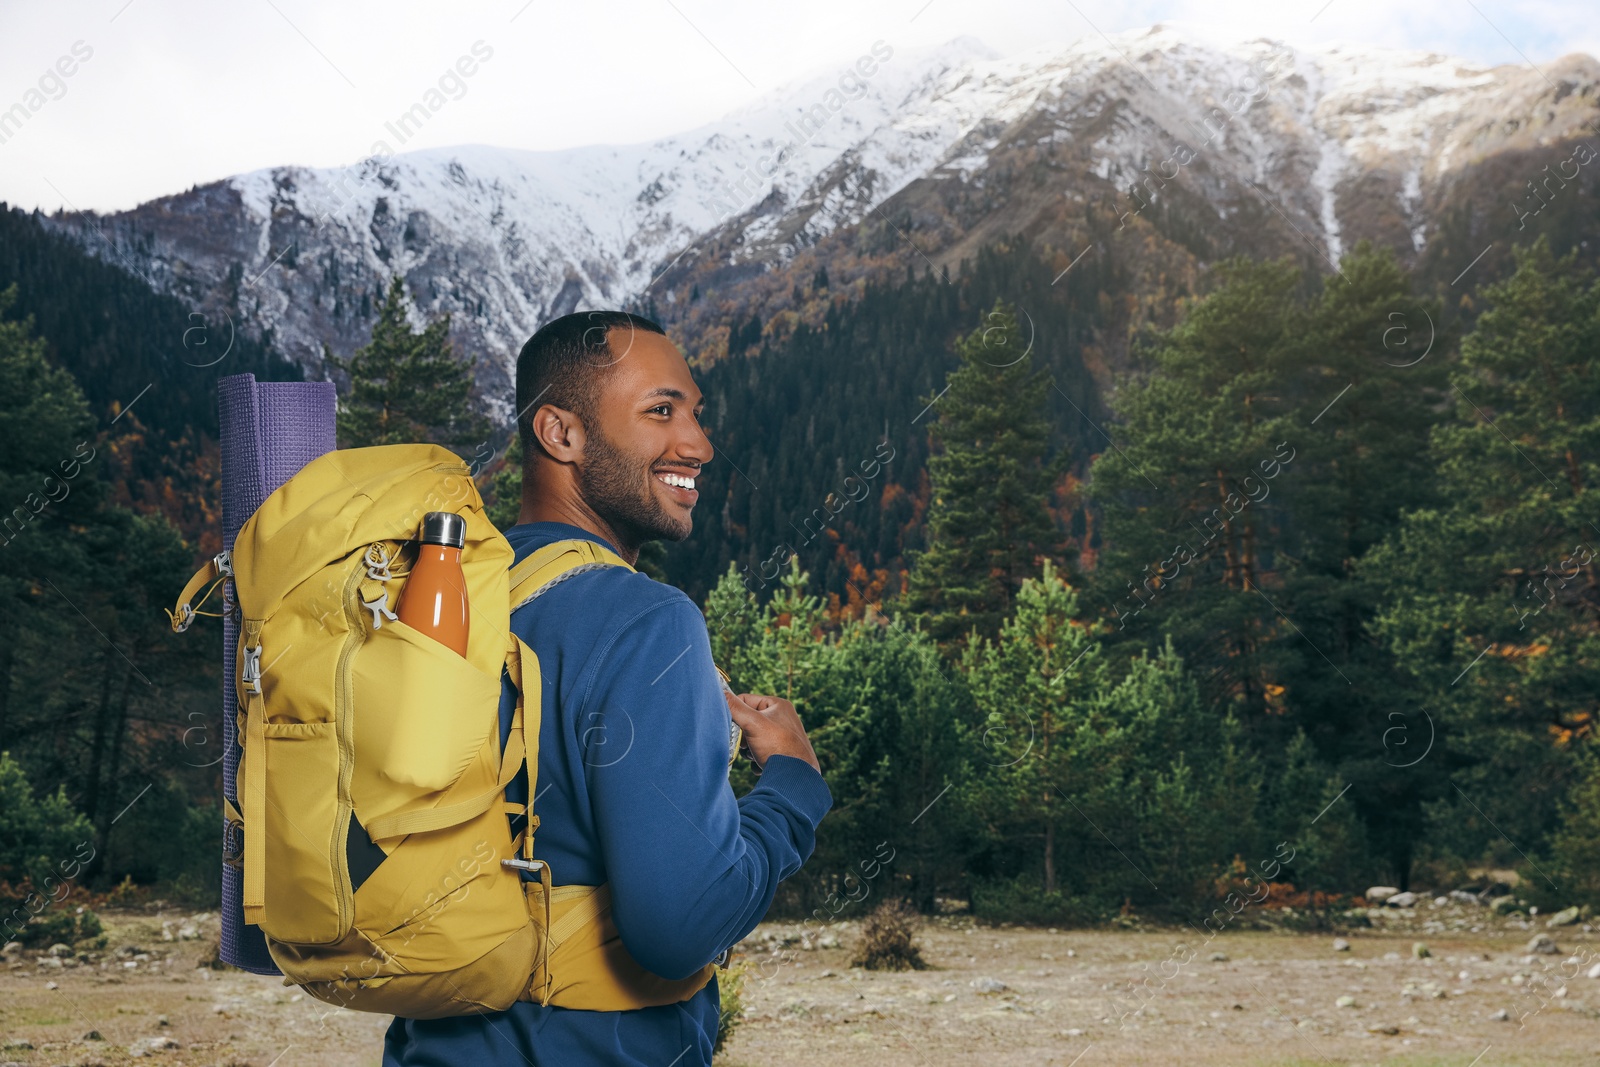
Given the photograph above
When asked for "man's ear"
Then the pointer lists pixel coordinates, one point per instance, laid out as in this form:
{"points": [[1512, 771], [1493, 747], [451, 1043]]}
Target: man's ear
{"points": [[560, 432]]}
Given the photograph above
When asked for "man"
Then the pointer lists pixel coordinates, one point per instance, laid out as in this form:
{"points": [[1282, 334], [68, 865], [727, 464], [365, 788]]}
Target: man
{"points": [[635, 740]]}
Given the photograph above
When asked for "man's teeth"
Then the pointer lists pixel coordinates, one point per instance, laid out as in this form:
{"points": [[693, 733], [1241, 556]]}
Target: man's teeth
{"points": [[677, 479]]}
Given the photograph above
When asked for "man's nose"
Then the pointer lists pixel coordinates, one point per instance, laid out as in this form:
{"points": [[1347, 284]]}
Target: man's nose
{"points": [[698, 446]]}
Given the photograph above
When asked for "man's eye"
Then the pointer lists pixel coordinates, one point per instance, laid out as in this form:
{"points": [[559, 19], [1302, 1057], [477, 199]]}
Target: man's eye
{"points": [[665, 409]]}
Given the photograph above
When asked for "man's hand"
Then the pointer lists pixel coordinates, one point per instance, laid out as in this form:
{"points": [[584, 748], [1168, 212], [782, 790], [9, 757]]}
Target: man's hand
{"points": [[771, 728]]}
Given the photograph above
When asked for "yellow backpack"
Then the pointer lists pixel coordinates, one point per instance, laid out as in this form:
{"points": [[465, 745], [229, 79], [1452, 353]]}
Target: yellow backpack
{"points": [[377, 858]]}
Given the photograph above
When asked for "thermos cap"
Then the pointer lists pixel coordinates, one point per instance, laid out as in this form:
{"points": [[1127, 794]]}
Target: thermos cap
{"points": [[444, 528]]}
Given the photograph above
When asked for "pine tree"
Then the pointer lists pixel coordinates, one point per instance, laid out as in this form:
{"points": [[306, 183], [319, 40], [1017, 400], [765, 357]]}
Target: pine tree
{"points": [[1369, 390], [1490, 594], [1184, 535], [1034, 687], [405, 385], [1311, 811], [504, 491], [732, 621], [887, 720], [48, 484], [988, 523]]}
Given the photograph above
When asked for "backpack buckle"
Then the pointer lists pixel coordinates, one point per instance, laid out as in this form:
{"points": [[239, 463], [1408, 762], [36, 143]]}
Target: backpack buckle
{"points": [[519, 864], [250, 679]]}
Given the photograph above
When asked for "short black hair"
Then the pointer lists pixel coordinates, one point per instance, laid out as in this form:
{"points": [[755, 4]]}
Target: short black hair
{"points": [[564, 364]]}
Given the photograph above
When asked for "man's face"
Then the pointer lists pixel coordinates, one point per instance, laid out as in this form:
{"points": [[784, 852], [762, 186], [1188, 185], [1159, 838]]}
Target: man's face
{"points": [[649, 431]]}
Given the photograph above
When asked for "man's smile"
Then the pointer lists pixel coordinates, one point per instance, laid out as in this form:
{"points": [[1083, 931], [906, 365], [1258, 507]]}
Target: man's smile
{"points": [[680, 485]]}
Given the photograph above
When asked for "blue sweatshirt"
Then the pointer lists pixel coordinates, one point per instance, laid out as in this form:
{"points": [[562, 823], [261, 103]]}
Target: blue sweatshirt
{"points": [[633, 790]]}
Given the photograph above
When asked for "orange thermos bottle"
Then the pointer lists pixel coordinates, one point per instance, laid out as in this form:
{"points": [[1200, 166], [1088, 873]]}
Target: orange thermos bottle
{"points": [[434, 600]]}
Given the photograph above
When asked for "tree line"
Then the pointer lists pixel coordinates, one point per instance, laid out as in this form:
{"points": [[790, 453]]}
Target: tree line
{"points": [[1315, 579]]}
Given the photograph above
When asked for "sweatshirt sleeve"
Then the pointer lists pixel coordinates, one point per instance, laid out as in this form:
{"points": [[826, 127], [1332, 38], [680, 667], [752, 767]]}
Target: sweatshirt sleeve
{"points": [[692, 869]]}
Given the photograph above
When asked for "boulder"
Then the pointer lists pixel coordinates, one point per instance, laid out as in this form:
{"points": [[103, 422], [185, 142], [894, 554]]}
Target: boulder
{"points": [[989, 985], [1565, 917], [147, 1045], [1543, 944], [1420, 951], [1402, 900], [1380, 893], [1504, 905], [1341, 945]]}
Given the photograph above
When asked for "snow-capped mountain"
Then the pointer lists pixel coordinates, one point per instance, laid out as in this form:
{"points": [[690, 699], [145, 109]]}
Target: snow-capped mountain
{"points": [[1274, 148]]}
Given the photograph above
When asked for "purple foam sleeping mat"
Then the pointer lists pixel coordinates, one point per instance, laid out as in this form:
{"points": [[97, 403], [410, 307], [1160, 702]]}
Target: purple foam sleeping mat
{"points": [[269, 431]]}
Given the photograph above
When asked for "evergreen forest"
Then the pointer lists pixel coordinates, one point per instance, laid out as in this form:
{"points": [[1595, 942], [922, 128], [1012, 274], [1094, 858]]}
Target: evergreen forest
{"points": [[1307, 582]]}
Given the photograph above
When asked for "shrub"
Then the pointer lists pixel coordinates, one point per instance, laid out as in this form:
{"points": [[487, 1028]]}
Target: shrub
{"points": [[170, 842], [42, 840], [730, 990], [886, 938], [61, 925], [126, 894], [1572, 856], [1022, 900]]}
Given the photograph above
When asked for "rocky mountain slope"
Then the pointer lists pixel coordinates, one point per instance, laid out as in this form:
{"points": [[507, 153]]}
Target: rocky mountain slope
{"points": [[1158, 145]]}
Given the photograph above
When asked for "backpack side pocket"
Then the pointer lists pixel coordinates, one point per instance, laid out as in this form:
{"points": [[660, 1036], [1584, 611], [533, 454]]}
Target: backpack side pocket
{"points": [[309, 901]]}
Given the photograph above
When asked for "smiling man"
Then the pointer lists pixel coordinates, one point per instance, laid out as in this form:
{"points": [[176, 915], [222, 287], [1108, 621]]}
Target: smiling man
{"points": [[636, 736]]}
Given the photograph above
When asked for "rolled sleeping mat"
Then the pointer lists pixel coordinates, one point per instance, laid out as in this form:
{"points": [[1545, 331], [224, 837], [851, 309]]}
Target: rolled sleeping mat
{"points": [[270, 430]]}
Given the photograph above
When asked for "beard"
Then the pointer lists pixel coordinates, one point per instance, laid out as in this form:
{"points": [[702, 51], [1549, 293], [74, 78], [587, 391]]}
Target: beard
{"points": [[618, 490]]}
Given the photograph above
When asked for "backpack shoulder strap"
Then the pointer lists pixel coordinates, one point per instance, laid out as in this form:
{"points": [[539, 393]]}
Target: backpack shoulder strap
{"points": [[557, 561]]}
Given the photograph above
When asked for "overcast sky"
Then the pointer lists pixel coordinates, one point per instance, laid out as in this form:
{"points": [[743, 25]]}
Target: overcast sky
{"points": [[165, 94]]}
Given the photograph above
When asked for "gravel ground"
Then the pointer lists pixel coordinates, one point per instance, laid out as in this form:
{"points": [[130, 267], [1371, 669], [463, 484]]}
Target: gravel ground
{"points": [[991, 995]]}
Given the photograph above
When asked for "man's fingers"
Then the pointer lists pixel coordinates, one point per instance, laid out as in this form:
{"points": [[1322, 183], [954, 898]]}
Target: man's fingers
{"points": [[740, 709]]}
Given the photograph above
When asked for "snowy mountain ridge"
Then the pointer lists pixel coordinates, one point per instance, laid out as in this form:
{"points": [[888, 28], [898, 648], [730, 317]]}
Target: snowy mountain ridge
{"points": [[506, 239]]}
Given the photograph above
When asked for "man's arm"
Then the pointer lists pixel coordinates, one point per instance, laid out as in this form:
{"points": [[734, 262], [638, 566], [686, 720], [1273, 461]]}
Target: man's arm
{"points": [[692, 869]]}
